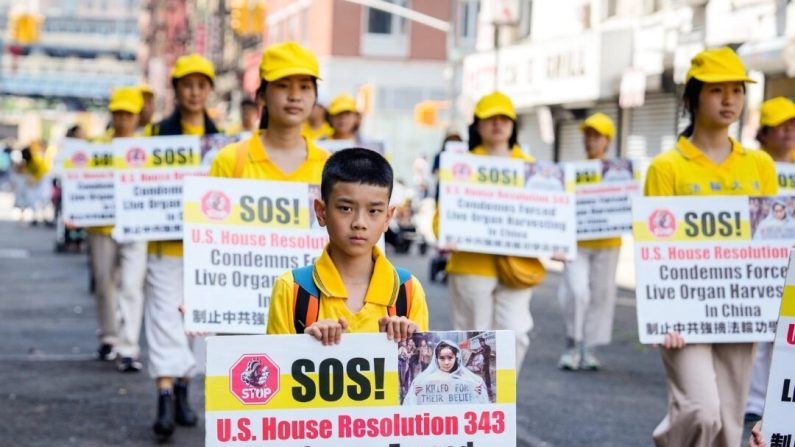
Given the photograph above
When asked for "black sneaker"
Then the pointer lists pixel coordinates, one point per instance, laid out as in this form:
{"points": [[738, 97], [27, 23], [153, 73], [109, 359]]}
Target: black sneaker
{"points": [[105, 353], [129, 364]]}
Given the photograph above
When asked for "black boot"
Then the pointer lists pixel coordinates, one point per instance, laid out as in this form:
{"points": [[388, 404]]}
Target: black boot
{"points": [[164, 424], [184, 414]]}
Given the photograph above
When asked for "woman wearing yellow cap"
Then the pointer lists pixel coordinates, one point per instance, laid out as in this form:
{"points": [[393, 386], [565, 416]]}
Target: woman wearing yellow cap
{"points": [[708, 383], [478, 299], [279, 151], [171, 352], [345, 118], [777, 136], [119, 268], [587, 293]]}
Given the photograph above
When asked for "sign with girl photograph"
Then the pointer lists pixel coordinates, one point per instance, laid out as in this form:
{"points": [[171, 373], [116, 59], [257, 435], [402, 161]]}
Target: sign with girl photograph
{"points": [[240, 235], [148, 182], [711, 268], [505, 206], [604, 190], [87, 183], [456, 388]]}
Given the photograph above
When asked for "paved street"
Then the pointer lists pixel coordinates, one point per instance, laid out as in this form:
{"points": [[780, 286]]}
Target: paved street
{"points": [[52, 392]]}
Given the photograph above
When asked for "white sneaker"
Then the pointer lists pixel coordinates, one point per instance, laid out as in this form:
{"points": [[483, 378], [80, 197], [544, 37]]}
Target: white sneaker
{"points": [[588, 361], [570, 360]]}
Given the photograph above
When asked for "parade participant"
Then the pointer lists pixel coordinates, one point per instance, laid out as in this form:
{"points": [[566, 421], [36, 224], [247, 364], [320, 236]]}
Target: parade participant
{"points": [[278, 151], [317, 125], [478, 299], [708, 383], [249, 115], [777, 137], [345, 119], [352, 287], [447, 367], [148, 111], [172, 358], [587, 293], [118, 268]]}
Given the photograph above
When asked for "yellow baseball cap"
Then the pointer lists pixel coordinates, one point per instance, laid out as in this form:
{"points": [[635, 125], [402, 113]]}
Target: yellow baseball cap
{"points": [[342, 103], [193, 63], [776, 111], [287, 59], [146, 89], [495, 104], [600, 123], [126, 99], [718, 65]]}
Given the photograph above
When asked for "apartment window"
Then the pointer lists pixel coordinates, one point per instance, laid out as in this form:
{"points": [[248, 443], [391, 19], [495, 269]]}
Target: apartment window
{"points": [[382, 22], [525, 18], [387, 34], [468, 19]]}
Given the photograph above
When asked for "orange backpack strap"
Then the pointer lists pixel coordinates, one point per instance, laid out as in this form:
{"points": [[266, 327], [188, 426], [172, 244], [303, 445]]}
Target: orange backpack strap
{"points": [[241, 156], [306, 299]]}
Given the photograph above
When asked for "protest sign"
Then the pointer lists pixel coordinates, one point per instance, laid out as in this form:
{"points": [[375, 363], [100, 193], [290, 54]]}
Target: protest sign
{"points": [[785, 173], [291, 391], [711, 268], [505, 206], [777, 426], [240, 235], [87, 197], [603, 190], [149, 179]]}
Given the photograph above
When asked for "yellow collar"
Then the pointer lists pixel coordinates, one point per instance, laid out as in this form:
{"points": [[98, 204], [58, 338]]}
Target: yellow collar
{"points": [[384, 284], [515, 152], [691, 152], [259, 154]]}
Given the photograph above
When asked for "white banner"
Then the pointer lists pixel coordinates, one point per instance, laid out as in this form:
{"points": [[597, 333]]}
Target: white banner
{"points": [[777, 425], [338, 145], [505, 206], [87, 197], [440, 389], [240, 235], [711, 268], [149, 179], [604, 190]]}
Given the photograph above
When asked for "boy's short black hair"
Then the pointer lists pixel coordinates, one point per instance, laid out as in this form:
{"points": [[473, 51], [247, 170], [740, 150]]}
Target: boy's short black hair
{"points": [[356, 165]]}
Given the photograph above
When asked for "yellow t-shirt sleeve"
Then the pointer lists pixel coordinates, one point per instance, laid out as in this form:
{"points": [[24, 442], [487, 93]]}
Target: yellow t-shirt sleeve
{"points": [[280, 313], [419, 306], [224, 162], [659, 180]]}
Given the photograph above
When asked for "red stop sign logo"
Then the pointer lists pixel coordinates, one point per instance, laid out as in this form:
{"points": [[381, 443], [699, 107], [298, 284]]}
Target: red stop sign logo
{"points": [[254, 379]]}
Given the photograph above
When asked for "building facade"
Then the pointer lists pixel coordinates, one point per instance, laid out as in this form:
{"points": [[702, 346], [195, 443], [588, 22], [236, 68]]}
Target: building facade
{"points": [[625, 58]]}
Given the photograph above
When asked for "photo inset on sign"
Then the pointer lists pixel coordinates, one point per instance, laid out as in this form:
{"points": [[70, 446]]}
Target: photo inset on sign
{"points": [[544, 176], [617, 170], [448, 368], [772, 217]]}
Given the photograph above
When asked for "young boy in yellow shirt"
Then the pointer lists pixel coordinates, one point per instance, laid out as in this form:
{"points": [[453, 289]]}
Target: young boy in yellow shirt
{"points": [[352, 287]]}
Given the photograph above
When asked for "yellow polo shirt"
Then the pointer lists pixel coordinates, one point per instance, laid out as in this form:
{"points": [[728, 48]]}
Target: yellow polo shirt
{"points": [[383, 289], [313, 134], [686, 171], [172, 248], [258, 164], [467, 263]]}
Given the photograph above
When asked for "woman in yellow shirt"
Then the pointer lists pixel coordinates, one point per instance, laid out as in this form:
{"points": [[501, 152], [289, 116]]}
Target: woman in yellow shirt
{"points": [[708, 383], [479, 301], [172, 354], [587, 293], [279, 150]]}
